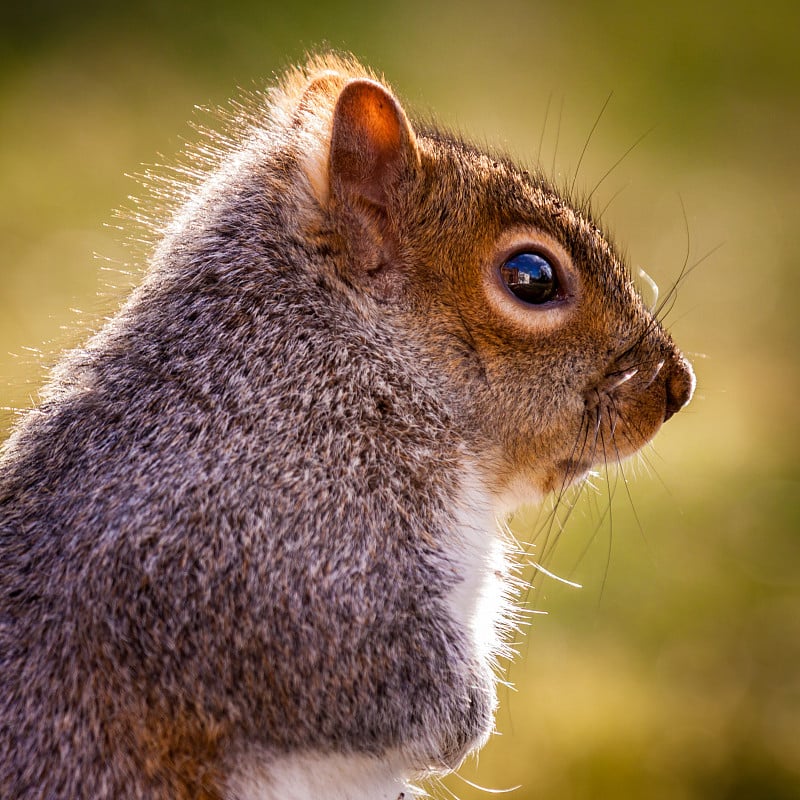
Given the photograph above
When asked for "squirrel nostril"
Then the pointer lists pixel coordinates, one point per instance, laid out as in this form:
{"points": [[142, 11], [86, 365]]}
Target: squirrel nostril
{"points": [[679, 385]]}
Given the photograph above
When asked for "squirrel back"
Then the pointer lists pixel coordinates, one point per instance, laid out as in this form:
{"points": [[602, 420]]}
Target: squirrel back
{"points": [[248, 539]]}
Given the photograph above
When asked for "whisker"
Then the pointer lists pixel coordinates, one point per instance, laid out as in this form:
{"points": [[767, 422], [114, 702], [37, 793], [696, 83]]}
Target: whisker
{"points": [[443, 785], [589, 139], [624, 477], [544, 128], [558, 136], [564, 483], [653, 286], [685, 270], [547, 551], [484, 788], [614, 196], [683, 275], [549, 546], [653, 472], [614, 166], [581, 440], [611, 494], [539, 568], [520, 548], [623, 378], [602, 514], [642, 454]]}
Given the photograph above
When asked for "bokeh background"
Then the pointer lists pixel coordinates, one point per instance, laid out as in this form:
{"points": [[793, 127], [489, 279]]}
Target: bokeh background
{"points": [[675, 672]]}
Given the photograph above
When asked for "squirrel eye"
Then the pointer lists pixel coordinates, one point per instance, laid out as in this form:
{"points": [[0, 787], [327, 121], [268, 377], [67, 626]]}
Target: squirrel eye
{"points": [[530, 277]]}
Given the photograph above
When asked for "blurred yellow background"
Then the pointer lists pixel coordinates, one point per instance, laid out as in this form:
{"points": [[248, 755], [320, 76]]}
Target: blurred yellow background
{"points": [[675, 672]]}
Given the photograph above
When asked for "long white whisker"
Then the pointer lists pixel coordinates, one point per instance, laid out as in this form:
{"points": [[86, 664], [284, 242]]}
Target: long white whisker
{"points": [[552, 575], [484, 789], [653, 286], [624, 378]]}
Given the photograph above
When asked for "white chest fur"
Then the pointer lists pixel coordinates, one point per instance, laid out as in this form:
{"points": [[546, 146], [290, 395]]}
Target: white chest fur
{"points": [[334, 777], [479, 601]]}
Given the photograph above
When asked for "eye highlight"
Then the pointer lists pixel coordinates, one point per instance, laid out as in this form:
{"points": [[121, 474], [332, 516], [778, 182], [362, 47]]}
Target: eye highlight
{"points": [[531, 278]]}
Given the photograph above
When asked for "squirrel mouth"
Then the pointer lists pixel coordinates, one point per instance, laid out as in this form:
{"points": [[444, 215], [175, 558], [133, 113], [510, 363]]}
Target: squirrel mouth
{"points": [[563, 474], [573, 470]]}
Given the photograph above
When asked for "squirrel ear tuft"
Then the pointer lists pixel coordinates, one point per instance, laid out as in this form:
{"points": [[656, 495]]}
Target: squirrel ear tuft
{"points": [[371, 143]]}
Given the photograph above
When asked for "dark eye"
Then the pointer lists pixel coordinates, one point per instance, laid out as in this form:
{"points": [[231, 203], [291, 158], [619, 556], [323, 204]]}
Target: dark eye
{"points": [[530, 277]]}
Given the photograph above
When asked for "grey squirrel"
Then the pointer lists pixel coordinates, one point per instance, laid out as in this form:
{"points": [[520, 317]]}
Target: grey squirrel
{"points": [[248, 539]]}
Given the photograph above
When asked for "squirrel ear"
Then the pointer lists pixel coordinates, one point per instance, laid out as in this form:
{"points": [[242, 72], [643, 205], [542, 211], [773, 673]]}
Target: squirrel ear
{"points": [[371, 142]]}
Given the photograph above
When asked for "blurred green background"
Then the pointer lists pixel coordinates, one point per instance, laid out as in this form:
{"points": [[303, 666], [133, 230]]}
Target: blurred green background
{"points": [[675, 672]]}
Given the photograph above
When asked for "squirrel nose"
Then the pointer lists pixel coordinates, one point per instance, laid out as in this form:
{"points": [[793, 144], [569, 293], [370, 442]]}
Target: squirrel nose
{"points": [[679, 384]]}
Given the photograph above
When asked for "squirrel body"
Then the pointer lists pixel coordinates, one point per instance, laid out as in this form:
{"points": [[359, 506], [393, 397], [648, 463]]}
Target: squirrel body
{"points": [[248, 539]]}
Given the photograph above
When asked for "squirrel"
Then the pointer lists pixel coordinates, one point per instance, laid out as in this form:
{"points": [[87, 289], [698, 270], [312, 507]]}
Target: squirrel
{"points": [[249, 537]]}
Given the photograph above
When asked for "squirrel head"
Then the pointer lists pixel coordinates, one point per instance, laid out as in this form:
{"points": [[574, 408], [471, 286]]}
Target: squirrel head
{"points": [[554, 363]]}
